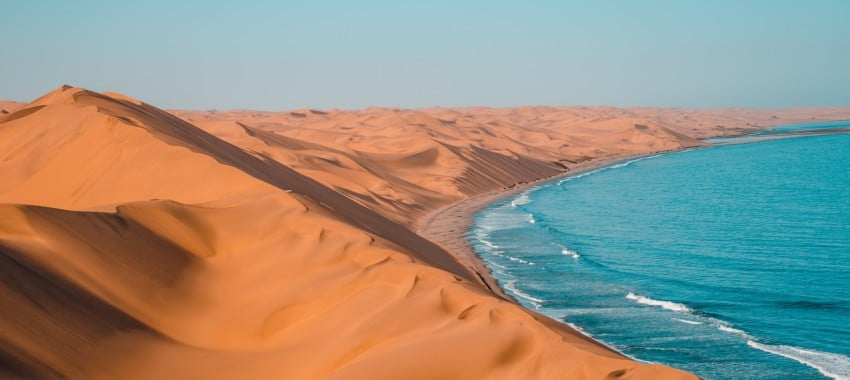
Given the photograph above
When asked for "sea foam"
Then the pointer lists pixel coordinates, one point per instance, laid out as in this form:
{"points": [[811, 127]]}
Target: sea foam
{"points": [[488, 243], [677, 307], [511, 286], [522, 199], [519, 260], [568, 252], [688, 321], [832, 365]]}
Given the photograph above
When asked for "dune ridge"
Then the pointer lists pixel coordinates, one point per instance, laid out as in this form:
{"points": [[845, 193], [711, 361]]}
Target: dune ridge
{"points": [[406, 162], [137, 243]]}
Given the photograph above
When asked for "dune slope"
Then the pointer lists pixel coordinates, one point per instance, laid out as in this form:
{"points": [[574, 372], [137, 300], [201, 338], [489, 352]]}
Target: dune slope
{"points": [[134, 244]]}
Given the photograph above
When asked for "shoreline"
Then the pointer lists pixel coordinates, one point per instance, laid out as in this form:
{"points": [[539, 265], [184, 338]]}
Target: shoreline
{"points": [[448, 226]]}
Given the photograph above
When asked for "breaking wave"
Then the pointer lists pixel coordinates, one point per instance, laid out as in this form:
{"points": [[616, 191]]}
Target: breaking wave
{"points": [[831, 365], [511, 286], [522, 199], [688, 321], [677, 307], [568, 252]]}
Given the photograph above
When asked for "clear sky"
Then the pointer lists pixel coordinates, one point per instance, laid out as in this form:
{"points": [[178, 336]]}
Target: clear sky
{"points": [[280, 55]]}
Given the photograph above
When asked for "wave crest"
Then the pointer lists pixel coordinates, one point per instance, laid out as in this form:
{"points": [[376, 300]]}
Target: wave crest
{"points": [[522, 199], [688, 321], [568, 252], [673, 306], [725, 327], [536, 302], [832, 365]]}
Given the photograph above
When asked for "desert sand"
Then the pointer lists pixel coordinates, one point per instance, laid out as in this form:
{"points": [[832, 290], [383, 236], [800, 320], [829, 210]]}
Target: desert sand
{"points": [[140, 243], [9, 106]]}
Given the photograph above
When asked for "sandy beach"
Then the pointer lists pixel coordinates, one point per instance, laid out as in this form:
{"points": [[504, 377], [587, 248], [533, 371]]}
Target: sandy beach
{"points": [[141, 243]]}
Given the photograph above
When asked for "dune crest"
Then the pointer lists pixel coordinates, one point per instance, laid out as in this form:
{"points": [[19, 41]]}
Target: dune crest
{"points": [[136, 244]]}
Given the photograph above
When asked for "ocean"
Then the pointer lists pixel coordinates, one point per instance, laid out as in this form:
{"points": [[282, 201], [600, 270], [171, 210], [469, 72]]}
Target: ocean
{"points": [[731, 261]]}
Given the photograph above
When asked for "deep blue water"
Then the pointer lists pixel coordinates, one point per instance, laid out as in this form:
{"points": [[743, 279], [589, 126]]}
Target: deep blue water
{"points": [[732, 262]]}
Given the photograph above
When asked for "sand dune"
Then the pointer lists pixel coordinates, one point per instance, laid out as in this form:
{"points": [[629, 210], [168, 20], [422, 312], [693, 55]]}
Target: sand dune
{"points": [[333, 303], [9, 106], [136, 244], [406, 162]]}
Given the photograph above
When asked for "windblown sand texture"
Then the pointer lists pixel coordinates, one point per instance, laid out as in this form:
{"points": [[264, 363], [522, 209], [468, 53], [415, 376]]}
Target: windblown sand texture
{"points": [[138, 244]]}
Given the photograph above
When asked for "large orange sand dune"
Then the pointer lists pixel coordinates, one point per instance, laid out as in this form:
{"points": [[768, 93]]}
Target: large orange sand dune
{"points": [[135, 244]]}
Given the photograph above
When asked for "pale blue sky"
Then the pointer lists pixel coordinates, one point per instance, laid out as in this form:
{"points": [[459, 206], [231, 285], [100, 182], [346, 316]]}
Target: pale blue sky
{"points": [[280, 55]]}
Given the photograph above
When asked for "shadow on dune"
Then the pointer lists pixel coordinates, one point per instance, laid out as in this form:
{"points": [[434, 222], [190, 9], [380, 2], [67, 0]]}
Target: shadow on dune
{"points": [[175, 131]]}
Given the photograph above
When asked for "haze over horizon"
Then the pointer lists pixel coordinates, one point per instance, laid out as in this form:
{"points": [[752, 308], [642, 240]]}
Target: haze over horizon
{"points": [[275, 56]]}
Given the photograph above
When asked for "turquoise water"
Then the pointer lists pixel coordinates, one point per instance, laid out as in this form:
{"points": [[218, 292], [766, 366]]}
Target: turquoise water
{"points": [[732, 262]]}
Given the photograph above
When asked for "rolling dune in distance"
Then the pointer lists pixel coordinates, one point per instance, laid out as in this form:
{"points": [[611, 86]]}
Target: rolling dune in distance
{"points": [[405, 162], [138, 243], [9, 106]]}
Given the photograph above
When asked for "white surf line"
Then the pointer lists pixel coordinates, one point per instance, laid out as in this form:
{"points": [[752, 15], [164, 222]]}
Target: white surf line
{"points": [[614, 166], [829, 364], [688, 321], [536, 302], [832, 365], [569, 252], [523, 199], [673, 306]]}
